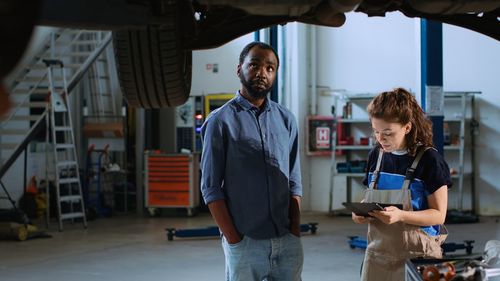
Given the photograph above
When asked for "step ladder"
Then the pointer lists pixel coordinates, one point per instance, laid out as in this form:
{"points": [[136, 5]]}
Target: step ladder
{"points": [[70, 205]]}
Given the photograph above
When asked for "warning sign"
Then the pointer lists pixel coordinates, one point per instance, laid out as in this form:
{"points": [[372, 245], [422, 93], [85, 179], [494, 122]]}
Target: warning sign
{"points": [[322, 137]]}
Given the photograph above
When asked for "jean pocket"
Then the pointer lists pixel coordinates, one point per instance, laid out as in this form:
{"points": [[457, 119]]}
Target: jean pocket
{"points": [[235, 245]]}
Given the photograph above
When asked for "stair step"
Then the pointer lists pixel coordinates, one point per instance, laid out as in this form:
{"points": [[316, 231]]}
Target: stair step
{"points": [[37, 66], [78, 42], [13, 131], [65, 146], [104, 77], [36, 79], [69, 55], [26, 118], [8, 145], [70, 198], [77, 54], [66, 163], [72, 216], [43, 66], [30, 79], [27, 91], [68, 180], [33, 104], [75, 31], [62, 128]]}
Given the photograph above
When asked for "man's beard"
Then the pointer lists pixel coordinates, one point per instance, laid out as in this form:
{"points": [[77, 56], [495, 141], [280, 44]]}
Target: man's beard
{"points": [[252, 90]]}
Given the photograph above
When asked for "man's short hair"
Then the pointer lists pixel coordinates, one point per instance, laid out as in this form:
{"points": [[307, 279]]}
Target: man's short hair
{"points": [[248, 47]]}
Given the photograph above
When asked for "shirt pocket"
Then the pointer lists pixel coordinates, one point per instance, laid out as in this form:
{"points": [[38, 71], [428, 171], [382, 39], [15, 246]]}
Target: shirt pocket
{"points": [[279, 145], [247, 148]]}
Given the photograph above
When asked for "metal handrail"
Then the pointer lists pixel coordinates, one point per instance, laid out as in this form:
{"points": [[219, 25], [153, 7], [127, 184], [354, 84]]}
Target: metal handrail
{"points": [[90, 60]]}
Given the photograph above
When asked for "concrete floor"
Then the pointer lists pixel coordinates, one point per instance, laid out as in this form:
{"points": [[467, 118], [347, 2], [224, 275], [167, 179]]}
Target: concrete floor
{"points": [[131, 248]]}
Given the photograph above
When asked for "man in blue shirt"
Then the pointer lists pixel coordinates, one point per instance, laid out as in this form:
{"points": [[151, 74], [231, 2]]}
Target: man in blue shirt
{"points": [[251, 175]]}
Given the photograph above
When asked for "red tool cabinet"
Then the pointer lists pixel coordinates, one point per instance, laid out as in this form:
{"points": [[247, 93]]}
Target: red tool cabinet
{"points": [[171, 181]]}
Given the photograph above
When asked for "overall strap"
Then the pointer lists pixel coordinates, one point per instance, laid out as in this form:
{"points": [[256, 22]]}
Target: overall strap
{"points": [[373, 182], [409, 172]]}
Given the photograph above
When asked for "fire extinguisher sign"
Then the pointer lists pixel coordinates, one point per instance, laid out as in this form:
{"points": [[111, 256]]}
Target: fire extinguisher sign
{"points": [[322, 137]]}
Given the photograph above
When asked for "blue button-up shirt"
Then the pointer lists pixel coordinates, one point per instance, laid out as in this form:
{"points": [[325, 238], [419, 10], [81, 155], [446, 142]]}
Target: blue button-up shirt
{"points": [[250, 159]]}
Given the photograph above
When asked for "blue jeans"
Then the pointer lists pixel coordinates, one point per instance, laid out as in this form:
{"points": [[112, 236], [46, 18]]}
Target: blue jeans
{"points": [[275, 259]]}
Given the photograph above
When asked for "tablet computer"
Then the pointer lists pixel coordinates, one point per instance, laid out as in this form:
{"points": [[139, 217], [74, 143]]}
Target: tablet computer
{"points": [[362, 209]]}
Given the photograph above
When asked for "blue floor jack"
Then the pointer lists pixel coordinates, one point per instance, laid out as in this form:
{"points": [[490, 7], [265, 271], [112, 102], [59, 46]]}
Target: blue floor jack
{"points": [[357, 242], [214, 231]]}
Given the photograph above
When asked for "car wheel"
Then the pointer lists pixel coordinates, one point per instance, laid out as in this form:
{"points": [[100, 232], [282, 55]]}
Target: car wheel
{"points": [[153, 68]]}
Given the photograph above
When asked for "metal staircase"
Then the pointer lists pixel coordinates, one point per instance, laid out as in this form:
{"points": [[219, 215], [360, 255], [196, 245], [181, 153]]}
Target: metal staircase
{"points": [[28, 119]]}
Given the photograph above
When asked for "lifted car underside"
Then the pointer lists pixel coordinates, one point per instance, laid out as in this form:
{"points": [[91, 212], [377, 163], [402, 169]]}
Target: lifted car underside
{"points": [[166, 31]]}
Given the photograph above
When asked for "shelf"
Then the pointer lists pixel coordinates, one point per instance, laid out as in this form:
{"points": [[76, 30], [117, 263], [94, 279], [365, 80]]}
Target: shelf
{"points": [[457, 175], [459, 117], [352, 175], [458, 120], [450, 94], [353, 147], [365, 96], [351, 120]]}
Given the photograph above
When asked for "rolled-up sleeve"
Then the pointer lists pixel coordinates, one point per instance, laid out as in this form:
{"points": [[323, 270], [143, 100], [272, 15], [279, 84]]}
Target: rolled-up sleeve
{"points": [[295, 181], [212, 160]]}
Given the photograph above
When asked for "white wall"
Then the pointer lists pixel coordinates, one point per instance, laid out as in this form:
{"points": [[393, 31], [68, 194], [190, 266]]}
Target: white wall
{"points": [[366, 55], [205, 81], [470, 62]]}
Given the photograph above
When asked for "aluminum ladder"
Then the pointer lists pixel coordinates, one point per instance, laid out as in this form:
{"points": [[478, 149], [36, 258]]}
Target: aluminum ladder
{"points": [[70, 204]]}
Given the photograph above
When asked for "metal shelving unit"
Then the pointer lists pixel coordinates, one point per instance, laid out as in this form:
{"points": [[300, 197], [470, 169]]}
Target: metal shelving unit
{"points": [[355, 119], [462, 119]]}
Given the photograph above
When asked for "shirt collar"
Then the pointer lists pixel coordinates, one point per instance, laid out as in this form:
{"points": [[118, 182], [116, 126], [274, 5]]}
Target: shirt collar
{"points": [[243, 102], [400, 152]]}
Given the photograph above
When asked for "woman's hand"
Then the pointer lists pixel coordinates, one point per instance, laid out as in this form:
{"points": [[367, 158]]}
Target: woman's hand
{"points": [[389, 215], [360, 219]]}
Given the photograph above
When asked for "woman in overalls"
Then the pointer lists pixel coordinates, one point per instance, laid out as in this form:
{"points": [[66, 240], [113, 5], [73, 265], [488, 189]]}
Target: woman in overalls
{"points": [[403, 168]]}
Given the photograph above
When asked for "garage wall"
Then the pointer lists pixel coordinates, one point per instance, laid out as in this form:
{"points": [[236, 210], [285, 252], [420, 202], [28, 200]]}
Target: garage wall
{"points": [[375, 54], [471, 62], [207, 80], [366, 55]]}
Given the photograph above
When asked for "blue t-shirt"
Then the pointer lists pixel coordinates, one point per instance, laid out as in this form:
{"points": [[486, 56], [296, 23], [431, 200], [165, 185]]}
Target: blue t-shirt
{"points": [[431, 173], [432, 170], [250, 159]]}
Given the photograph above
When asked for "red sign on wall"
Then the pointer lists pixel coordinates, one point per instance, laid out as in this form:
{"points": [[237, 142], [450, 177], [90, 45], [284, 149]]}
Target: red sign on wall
{"points": [[323, 137]]}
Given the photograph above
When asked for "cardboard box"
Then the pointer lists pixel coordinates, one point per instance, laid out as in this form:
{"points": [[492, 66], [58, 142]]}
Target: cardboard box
{"points": [[103, 130]]}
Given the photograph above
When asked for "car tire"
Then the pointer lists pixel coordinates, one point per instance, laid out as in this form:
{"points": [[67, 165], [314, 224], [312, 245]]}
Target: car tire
{"points": [[153, 68]]}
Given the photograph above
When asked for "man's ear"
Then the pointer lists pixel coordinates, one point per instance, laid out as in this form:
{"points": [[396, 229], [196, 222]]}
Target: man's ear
{"points": [[238, 70]]}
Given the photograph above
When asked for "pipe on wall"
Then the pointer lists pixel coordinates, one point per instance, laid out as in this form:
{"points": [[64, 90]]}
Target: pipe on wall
{"points": [[313, 103]]}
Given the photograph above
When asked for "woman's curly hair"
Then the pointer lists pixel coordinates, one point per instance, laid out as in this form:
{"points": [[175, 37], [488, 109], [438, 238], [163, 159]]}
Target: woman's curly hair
{"points": [[400, 106]]}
